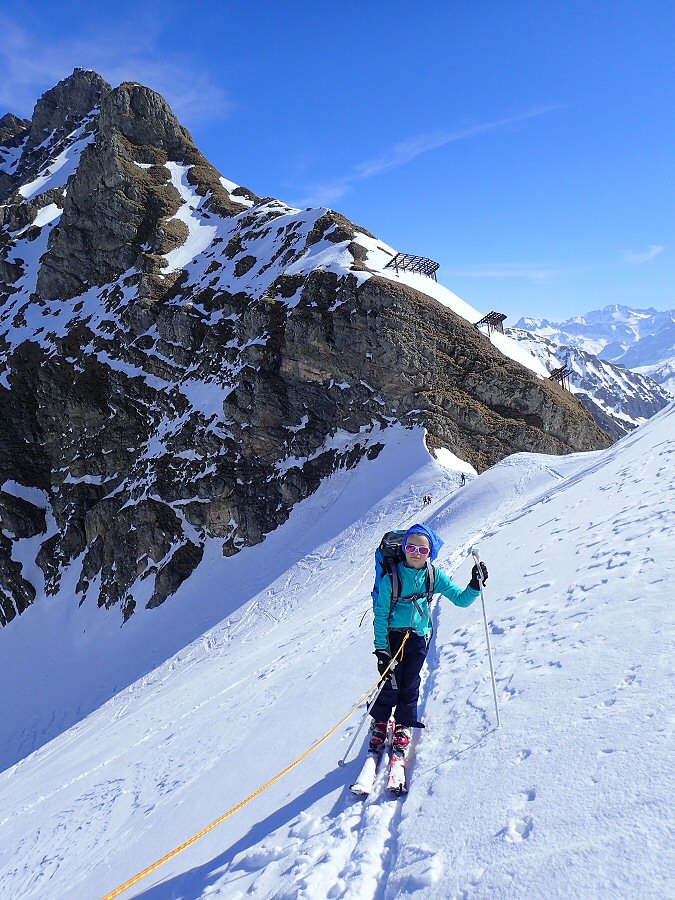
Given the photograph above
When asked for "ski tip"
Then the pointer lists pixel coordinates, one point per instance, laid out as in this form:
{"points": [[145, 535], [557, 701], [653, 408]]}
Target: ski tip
{"points": [[358, 792]]}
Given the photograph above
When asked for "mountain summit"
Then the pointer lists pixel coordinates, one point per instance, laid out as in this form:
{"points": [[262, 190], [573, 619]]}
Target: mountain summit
{"points": [[181, 360]]}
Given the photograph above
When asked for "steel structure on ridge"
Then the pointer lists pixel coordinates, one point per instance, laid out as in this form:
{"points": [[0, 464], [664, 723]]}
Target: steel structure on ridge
{"points": [[561, 375], [494, 322], [406, 262]]}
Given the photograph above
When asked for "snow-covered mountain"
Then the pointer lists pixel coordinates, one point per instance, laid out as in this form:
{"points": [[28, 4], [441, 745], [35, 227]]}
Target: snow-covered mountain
{"points": [[570, 798], [640, 339], [618, 398], [181, 360]]}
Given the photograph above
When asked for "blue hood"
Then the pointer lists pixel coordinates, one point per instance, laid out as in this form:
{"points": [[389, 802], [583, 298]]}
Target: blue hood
{"points": [[435, 541]]}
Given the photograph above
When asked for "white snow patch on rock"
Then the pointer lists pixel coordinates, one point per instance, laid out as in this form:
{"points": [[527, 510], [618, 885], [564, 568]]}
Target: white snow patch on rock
{"points": [[199, 235]]}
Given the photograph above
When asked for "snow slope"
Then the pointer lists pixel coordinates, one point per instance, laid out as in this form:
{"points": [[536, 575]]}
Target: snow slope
{"points": [[572, 797]]}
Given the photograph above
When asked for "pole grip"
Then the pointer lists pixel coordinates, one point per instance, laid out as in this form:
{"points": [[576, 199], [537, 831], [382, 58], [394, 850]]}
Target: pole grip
{"points": [[476, 559]]}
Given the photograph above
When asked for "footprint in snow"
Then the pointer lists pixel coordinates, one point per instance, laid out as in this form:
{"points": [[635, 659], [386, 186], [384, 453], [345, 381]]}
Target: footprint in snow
{"points": [[517, 829], [421, 867], [474, 879], [628, 679], [260, 857], [521, 800], [522, 756]]}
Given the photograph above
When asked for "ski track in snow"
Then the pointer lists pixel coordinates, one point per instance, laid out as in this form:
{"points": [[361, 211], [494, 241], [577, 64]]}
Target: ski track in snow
{"points": [[568, 799]]}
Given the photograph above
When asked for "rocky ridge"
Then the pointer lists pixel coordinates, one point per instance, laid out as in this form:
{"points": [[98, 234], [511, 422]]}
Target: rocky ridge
{"points": [[182, 360], [642, 340], [617, 398]]}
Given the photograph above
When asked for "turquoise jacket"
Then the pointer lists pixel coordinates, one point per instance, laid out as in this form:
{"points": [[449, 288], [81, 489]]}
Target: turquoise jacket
{"points": [[405, 614]]}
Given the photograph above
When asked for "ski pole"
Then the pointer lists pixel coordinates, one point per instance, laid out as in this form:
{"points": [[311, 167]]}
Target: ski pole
{"points": [[342, 761], [474, 553], [369, 704]]}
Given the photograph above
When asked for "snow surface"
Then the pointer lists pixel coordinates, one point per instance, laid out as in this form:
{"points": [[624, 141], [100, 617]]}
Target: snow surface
{"points": [[45, 216], [448, 459], [572, 797], [230, 186], [59, 169], [199, 236]]}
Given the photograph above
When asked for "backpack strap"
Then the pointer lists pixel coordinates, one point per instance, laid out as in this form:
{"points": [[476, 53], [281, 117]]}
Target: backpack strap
{"points": [[395, 576], [431, 581]]}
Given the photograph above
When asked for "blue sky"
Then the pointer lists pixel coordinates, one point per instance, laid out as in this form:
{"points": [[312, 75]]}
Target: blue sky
{"points": [[528, 147]]}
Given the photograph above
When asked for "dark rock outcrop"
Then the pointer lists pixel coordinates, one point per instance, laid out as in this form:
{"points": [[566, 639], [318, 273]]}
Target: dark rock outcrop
{"points": [[63, 108]]}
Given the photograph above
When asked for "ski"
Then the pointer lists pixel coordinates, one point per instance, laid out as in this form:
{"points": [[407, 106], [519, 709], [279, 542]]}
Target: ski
{"points": [[364, 784], [398, 781]]}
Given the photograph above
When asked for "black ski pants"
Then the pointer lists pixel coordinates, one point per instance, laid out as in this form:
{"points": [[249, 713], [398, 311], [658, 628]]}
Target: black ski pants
{"points": [[403, 694]]}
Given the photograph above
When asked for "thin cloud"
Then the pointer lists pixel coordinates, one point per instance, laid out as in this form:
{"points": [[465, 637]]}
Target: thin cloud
{"points": [[525, 271], [30, 68], [405, 151], [636, 259]]}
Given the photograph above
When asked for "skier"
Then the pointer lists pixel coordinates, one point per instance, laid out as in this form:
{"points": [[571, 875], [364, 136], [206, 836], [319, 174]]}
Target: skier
{"points": [[410, 614]]}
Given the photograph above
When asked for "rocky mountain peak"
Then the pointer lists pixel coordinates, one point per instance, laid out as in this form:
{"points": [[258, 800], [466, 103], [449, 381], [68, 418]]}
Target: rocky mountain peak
{"points": [[63, 107], [642, 339], [144, 118], [120, 212], [12, 129]]}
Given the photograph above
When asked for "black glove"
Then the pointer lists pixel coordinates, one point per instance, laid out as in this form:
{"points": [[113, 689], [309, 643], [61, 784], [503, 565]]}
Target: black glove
{"points": [[474, 583], [383, 660]]}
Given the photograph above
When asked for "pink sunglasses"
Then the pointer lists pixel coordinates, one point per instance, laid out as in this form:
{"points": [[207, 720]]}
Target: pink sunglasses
{"points": [[413, 548]]}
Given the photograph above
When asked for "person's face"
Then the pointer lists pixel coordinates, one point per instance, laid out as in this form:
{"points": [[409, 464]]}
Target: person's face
{"points": [[414, 559]]}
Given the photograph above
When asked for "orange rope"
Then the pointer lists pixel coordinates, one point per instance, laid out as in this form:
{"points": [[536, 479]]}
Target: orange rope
{"points": [[160, 862]]}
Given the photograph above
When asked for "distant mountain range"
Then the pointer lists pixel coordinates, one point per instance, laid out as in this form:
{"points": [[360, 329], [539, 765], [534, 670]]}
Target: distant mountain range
{"points": [[642, 340], [618, 398]]}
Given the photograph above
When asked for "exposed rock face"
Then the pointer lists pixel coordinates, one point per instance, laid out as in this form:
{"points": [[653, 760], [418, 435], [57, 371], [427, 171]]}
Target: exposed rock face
{"points": [[13, 134], [63, 108], [11, 129], [118, 211], [180, 360]]}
